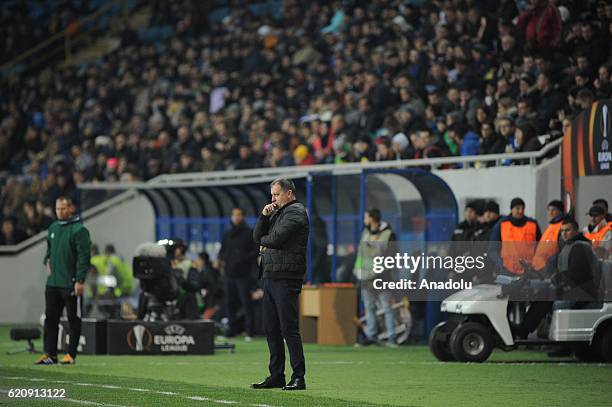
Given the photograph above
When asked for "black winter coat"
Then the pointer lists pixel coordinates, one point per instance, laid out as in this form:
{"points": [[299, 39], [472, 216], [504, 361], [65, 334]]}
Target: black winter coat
{"points": [[283, 237], [238, 252]]}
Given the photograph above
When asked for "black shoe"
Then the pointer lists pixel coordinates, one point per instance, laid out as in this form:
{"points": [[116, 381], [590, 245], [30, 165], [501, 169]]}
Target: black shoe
{"points": [[270, 383], [367, 342], [296, 384], [518, 331], [561, 352]]}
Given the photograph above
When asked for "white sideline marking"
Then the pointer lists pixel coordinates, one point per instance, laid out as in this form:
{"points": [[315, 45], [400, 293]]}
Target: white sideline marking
{"points": [[71, 400], [108, 386]]}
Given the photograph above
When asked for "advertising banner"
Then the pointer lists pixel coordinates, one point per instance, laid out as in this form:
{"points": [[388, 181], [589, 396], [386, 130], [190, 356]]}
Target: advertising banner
{"points": [[160, 338], [586, 148]]}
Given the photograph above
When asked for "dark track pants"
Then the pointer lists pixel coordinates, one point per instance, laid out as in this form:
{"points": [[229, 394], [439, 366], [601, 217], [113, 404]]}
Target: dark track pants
{"points": [[56, 298], [238, 292], [281, 321]]}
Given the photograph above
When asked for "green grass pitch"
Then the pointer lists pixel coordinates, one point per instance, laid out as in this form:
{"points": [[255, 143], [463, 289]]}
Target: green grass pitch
{"points": [[336, 376]]}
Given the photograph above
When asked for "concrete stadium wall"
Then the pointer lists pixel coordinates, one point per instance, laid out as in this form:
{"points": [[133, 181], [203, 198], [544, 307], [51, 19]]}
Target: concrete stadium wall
{"points": [[536, 185], [23, 276]]}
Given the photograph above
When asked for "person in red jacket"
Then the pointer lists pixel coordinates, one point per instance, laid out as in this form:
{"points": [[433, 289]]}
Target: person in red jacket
{"points": [[541, 25]]}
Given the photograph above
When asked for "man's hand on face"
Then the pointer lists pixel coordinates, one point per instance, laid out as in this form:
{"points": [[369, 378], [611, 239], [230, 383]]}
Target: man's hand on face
{"points": [[269, 209]]}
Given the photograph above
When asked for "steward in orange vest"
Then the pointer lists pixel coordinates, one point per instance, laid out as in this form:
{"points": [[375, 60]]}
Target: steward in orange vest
{"points": [[547, 246], [598, 230], [518, 235]]}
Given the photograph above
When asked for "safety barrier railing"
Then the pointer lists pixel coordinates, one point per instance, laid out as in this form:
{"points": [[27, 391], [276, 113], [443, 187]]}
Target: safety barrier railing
{"points": [[233, 177]]}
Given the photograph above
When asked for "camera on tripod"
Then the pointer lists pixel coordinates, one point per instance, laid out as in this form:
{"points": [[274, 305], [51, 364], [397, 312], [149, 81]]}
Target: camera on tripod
{"points": [[160, 283]]}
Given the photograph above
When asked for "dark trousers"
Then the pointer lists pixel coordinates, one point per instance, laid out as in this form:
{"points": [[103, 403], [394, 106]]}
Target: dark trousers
{"points": [[281, 321], [539, 309], [536, 313], [238, 291], [56, 298]]}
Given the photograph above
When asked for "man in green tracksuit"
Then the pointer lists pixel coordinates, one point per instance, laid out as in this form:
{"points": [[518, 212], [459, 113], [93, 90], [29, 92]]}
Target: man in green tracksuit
{"points": [[67, 261]]}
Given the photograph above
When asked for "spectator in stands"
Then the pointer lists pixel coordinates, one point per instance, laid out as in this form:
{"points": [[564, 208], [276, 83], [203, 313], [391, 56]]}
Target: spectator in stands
{"points": [[362, 150], [467, 140], [525, 113], [594, 45], [518, 236], [490, 141], [584, 99], [428, 145], [549, 99], [526, 139], [246, 158], [417, 71], [541, 25], [384, 150], [11, 234], [547, 246], [34, 221], [602, 84]]}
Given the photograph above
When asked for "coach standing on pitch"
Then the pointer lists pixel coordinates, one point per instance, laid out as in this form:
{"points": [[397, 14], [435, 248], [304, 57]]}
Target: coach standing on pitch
{"points": [[67, 261], [282, 234]]}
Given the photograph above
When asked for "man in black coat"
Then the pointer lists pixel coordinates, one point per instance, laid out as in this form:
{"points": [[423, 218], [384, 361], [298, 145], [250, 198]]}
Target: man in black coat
{"points": [[575, 265], [282, 233], [238, 254]]}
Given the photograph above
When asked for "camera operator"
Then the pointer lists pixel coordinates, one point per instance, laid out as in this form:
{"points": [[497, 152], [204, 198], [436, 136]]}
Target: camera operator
{"points": [[190, 282], [188, 301], [167, 279]]}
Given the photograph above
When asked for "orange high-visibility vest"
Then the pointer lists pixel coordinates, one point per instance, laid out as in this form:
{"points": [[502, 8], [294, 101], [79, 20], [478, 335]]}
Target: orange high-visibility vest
{"points": [[547, 245], [518, 242], [597, 237]]}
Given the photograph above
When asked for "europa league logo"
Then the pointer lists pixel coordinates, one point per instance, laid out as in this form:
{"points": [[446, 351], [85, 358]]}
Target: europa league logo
{"points": [[139, 338]]}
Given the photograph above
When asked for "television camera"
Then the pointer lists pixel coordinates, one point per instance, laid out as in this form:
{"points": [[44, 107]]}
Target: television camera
{"points": [[160, 282]]}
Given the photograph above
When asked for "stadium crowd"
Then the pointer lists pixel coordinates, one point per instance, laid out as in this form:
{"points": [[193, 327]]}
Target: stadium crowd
{"points": [[318, 82]]}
